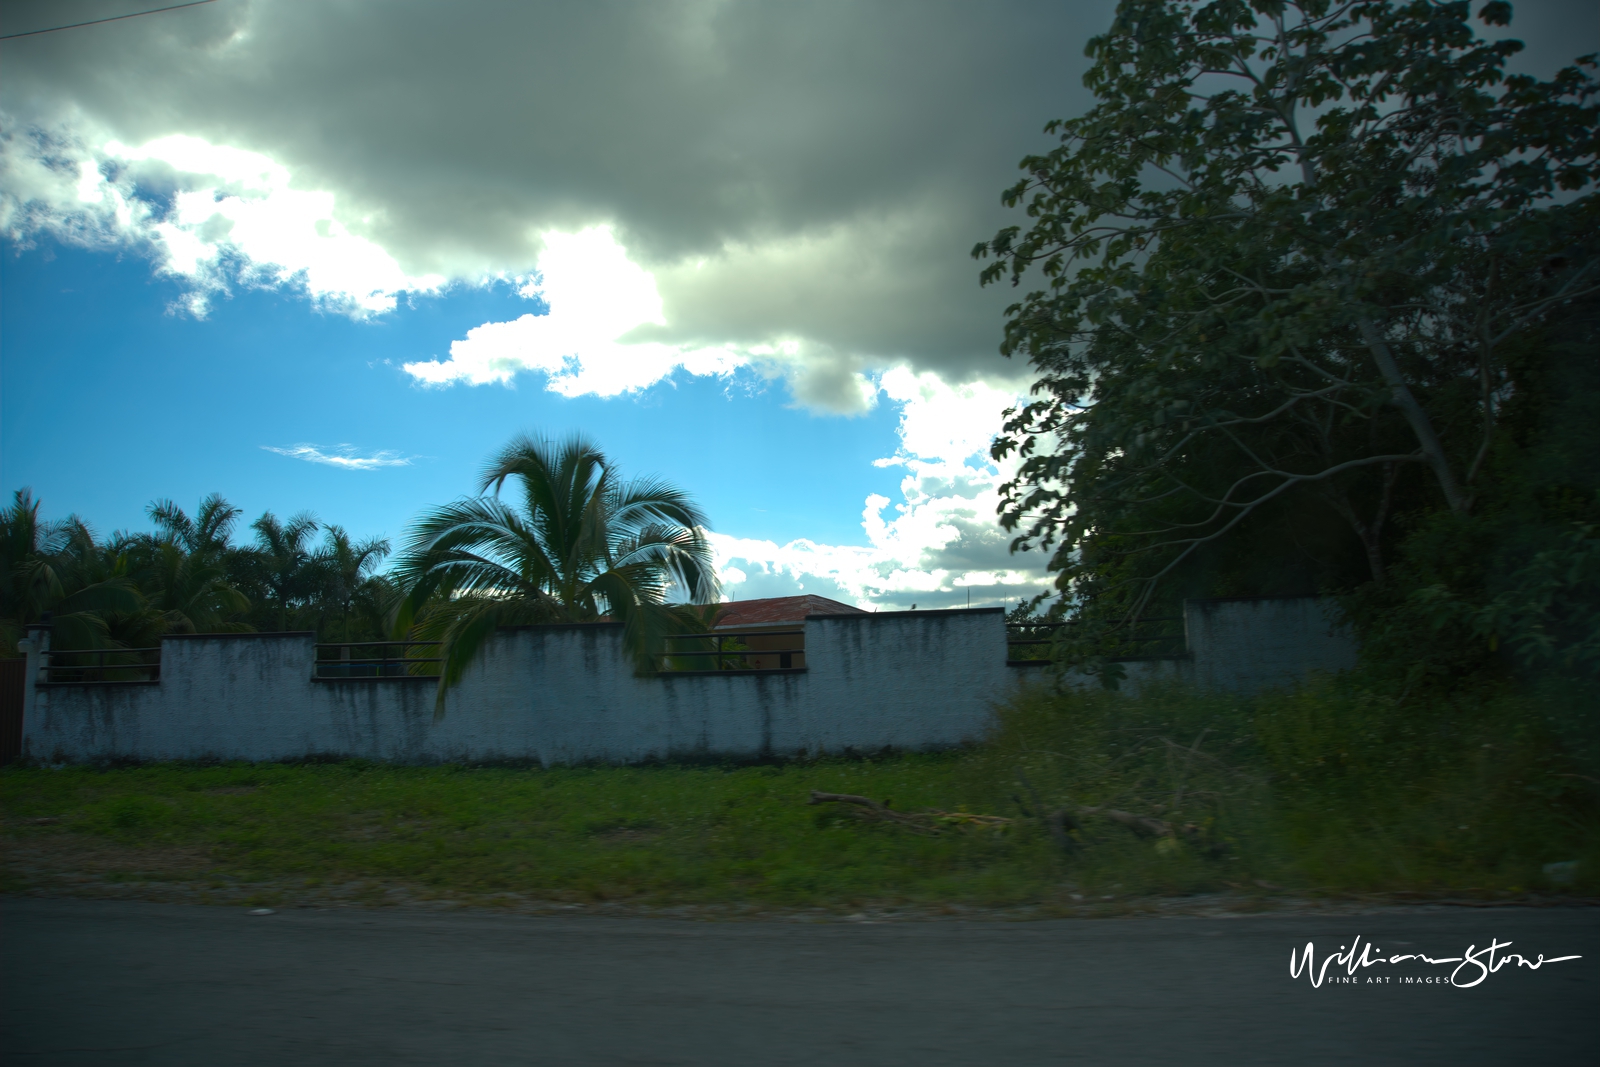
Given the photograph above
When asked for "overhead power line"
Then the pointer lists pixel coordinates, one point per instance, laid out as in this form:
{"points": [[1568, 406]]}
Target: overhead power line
{"points": [[113, 18]]}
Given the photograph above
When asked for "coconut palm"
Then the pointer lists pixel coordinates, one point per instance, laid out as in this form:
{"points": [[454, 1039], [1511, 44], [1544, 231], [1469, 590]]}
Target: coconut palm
{"points": [[189, 590], [283, 556], [346, 575], [577, 544], [208, 534], [182, 567], [59, 568]]}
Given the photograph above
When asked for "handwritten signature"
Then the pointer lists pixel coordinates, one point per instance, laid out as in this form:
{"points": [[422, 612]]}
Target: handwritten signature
{"points": [[1479, 963]]}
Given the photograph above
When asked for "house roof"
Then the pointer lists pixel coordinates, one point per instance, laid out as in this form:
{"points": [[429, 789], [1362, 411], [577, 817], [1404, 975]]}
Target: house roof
{"points": [[779, 609]]}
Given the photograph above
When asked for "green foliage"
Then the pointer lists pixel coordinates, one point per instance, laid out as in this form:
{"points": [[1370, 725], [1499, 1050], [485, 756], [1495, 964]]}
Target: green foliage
{"points": [[582, 544], [1295, 264], [186, 576], [59, 568], [1510, 586], [579, 544], [1335, 786]]}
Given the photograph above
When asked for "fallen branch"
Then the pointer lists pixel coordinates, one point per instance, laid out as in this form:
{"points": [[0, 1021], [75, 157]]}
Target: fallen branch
{"points": [[1143, 825], [1139, 824], [929, 823]]}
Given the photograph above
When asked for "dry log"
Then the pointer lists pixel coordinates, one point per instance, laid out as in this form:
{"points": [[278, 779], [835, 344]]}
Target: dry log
{"points": [[1139, 824], [922, 822], [818, 797], [1143, 825]]}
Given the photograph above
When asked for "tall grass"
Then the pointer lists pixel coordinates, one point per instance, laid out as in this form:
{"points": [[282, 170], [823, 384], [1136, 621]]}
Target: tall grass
{"points": [[1333, 786]]}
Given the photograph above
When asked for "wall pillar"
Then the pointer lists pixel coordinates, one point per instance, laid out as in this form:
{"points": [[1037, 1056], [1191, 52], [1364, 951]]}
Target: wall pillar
{"points": [[36, 647]]}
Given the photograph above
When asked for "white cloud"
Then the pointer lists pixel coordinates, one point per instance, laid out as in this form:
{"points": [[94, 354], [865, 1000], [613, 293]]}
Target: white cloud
{"points": [[939, 546], [595, 297], [600, 334], [950, 423], [228, 216], [345, 456]]}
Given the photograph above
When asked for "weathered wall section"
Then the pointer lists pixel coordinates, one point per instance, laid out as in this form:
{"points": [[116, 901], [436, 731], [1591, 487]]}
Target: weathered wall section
{"points": [[1252, 643], [553, 694], [1245, 644], [568, 694]]}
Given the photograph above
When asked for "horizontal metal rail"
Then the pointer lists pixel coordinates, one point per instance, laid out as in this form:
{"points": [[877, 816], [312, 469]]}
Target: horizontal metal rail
{"points": [[59, 673], [730, 652], [1055, 625], [721, 652], [103, 666], [385, 667], [734, 635], [1137, 640], [1126, 640]]}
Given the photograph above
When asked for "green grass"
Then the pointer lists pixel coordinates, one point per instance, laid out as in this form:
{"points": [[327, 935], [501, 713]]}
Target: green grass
{"points": [[650, 835], [1331, 790]]}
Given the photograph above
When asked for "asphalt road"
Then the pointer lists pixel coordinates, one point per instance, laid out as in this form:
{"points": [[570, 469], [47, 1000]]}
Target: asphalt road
{"points": [[116, 983]]}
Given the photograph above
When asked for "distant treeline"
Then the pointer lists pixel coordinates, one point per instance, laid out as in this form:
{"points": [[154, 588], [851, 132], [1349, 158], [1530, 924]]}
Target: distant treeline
{"points": [[191, 574], [574, 542]]}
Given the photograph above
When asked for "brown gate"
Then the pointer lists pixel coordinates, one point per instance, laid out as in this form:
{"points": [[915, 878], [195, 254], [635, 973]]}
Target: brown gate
{"points": [[13, 674]]}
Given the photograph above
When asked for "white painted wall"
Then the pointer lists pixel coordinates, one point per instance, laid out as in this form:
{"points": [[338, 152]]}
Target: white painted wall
{"points": [[567, 694], [551, 694], [1245, 644]]}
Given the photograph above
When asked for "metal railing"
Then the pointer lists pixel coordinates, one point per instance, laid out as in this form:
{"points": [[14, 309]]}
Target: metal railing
{"points": [[339, 661], [102, 666], [719, 653], [1152, 637]]}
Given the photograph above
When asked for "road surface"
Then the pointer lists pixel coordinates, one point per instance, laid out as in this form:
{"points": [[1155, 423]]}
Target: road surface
{"points": [[119, 983]]}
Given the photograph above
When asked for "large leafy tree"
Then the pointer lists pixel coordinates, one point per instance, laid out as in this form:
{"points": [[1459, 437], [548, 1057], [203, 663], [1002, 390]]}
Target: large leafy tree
{"points": [[1294, 268], [575, 544]]}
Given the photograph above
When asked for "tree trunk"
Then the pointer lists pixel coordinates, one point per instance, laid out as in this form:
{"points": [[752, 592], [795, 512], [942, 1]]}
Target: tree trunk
{"points": [[1400, 395]]}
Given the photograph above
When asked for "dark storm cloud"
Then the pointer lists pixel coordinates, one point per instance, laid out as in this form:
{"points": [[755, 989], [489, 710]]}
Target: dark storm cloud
{"points": [[849, 154], [812, 170]]}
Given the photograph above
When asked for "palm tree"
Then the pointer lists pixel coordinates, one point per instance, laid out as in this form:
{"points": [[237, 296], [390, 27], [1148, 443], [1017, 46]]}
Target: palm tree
{"points": [[346, 572], [59, 568], [208, 534], [283, 554], [190, 591], [183, 567], [578, 545]]}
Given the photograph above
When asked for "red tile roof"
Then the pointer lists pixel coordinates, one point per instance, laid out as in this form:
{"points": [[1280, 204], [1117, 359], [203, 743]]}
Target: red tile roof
{"points": [[780, 609]]}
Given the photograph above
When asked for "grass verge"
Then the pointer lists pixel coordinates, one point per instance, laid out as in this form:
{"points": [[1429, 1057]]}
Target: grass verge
{"points": [[645, 835], [1330, 790]]}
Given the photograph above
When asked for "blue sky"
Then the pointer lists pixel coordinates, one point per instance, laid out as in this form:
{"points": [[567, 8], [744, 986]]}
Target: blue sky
{"points": [[108, 400], [329, 257], [113, 393]]}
